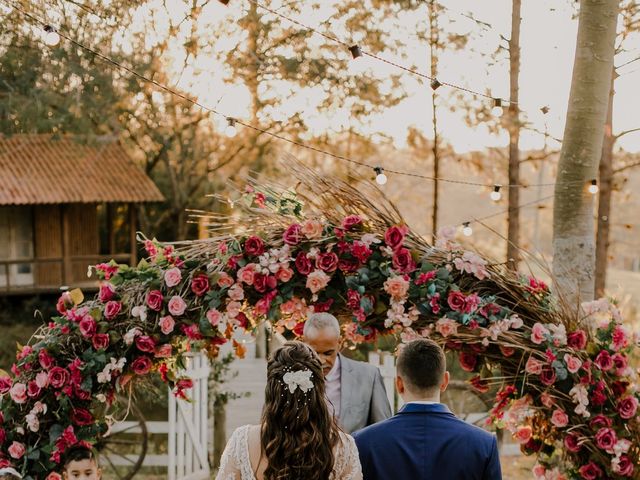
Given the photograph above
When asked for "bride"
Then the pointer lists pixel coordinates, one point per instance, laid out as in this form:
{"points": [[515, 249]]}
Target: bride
{"points": [[297, 438]]}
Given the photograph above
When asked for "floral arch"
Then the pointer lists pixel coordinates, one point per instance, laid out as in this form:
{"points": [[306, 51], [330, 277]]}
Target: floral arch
{"points": [[564, 386]]}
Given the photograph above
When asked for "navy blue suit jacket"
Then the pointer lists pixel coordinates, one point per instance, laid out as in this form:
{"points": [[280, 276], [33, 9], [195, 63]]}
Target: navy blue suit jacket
{"points": [[427, 442]]}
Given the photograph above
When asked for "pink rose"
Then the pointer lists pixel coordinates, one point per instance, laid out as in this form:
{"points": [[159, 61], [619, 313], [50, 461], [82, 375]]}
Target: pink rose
{"points": [[303, 264], [17, 450], [214, 317], [200, 284], [627, 407], [18, 392], [292, 235], [141, 365], [468, 361], [577, 340], [100, 341], [224, 280], [456, 300], [54, 476], [623, 466], [245, 274], [539, 333], [539, 471], [351, 221], [559, 418], [107, 292], [154, 300], [58, 377], [145, 343], [396, 287], [548, 376], [571, 442], [523, 434], [284, 275], [172, 277], [233, 309], [604, 361], [33, 389], [317, 280], [547, 400], [327, 262], [600, 421], [619, 338], [177, 305], [111, 309], [403, 261], [312, 229], [163, 351], [620, 362], [573, 363], [471, 303], [446, 327], [394, 236], [46, 361], [88, 326], [167, 324], [254, 246], [606, 439], [42, 380]]}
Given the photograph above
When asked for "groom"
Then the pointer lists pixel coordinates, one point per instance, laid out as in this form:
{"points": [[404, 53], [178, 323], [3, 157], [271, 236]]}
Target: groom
{"points": [[425, 440], [354, 390]]}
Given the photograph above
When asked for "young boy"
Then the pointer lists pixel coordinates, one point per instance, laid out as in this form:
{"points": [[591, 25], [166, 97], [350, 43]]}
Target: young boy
{"points": [[9, 473], [81, 463]]}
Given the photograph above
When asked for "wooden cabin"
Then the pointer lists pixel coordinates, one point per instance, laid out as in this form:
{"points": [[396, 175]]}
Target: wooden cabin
{"points": [[64, 206]]}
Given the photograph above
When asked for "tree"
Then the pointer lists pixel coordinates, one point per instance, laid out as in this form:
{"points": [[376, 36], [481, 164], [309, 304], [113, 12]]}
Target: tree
{"points": [[573, 239]]}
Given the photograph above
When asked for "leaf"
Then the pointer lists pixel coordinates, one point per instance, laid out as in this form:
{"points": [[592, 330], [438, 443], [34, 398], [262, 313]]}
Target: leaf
{"points": [[54, 432], [76, 296]]}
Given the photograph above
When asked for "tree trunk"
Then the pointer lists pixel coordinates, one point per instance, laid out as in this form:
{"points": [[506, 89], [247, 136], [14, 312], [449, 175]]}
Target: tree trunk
{"points": [[573, 228], [604, 198], [513, 219], [433, 42]]}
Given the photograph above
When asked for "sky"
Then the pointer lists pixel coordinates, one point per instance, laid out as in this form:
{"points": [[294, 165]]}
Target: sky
{"points": [[548, 37]]}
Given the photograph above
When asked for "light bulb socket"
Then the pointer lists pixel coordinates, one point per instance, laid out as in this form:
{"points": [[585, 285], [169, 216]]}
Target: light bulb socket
{"points": [[231, 121], [594, 183], [466, 224], [497, 102], [435, 84], [49, 29], [378, 170], [544, 110], [224, 2], [355, 51], [496, 188]]}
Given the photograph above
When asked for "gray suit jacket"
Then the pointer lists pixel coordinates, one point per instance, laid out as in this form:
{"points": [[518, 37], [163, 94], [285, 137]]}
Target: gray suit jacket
{"points": [[363, 398]]}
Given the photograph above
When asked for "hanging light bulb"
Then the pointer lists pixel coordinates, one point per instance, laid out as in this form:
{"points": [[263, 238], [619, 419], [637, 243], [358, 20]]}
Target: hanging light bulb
{"points": [[51, 38], [224, 2], [381, 178], [593, 188], [231, 130], [497, 107], [466, 229], [357, 64], [496, 195]]}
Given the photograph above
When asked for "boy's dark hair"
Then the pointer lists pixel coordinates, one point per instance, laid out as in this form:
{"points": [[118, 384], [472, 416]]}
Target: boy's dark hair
{"points": [[78, 453], [421, 364]]}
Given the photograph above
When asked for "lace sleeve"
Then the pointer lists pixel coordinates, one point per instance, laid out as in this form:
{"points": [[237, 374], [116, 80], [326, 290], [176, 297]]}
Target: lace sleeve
{"points": [[348, 461], [230, 463]]}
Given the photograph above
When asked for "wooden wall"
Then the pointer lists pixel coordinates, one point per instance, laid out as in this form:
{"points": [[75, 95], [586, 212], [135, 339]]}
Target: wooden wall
{"points": [[47, 224]]}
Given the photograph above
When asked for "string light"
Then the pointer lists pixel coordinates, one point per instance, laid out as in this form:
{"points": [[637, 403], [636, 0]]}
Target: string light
{"points": [[496, 195], [497, 107], [466, 229], [355, 51], [435, 84], [544, 110], [231, 130], [593, 188], [51, 37], [381, 178]]}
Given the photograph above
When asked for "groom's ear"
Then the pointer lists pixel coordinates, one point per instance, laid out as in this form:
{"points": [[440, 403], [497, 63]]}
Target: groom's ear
{"points": [[445, 382], [399, 385]]}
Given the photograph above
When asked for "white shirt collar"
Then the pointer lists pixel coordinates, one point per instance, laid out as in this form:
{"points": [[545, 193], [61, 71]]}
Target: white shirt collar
{"points": [[424, 402], [335, 370]]}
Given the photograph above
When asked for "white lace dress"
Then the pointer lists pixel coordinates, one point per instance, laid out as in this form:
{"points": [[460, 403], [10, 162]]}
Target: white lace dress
{"points": [[236, 464]]}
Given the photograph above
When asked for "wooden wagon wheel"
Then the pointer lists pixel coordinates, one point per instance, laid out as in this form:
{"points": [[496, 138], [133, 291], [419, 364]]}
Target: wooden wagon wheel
{"points": [[123, 450]]}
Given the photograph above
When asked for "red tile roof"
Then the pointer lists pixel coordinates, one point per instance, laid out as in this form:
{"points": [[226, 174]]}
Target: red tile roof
{"points": [[37, 169]]}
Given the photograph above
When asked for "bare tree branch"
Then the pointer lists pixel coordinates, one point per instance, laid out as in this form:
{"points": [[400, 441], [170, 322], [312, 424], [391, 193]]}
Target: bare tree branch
{"points": [[624, 132]]}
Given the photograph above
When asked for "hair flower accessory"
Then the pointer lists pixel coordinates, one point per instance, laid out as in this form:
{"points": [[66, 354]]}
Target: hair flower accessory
{"points": [[299, 379]]}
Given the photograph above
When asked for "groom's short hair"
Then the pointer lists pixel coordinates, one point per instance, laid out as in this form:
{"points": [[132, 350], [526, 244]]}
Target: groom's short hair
{"points": [[421, 364]]}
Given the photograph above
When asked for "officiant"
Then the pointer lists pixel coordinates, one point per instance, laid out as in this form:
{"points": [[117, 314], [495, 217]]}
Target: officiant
{"points": [[355, 391]]}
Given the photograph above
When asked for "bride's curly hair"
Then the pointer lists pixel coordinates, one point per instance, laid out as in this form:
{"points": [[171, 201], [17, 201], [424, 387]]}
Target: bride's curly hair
{"points": [[298, 433]]}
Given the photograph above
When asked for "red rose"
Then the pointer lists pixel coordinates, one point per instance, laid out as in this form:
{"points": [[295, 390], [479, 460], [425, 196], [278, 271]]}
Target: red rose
{"points": [[64, 302], [200, 284], [323, 306], [627, 407], [327, 262], [46, 361], [548, 375], [598, 397], [590, 471], [353, 299], [81, 417], [87, 326], [292, 235], [479, 384], [360, 251], [577, 339], [456, 300], [606, 439], [141, 365], [600, 421], [619, 387], [571, 443], [243, 321], [100, 341], [468, 361], [145, 343], [69, 436], [348, 265], [81, 394], [33, 390], [254, 246], [298, 329], [58, 377], [604, 361], [3, 436], [260, 282], [394, 236], [107, 292], [111, 309], [5, 386], [403, 261], [351, 221], [154, 300], [303, 264], [625, 466]]}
